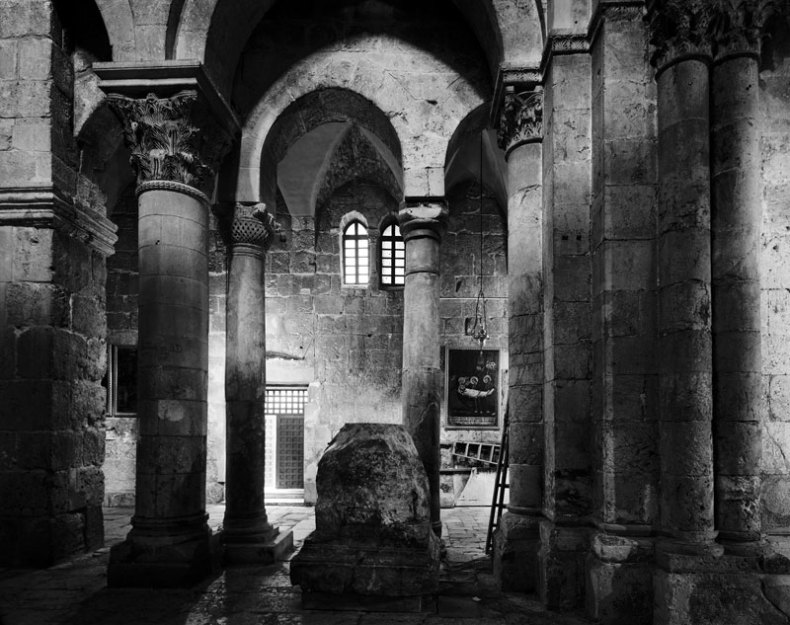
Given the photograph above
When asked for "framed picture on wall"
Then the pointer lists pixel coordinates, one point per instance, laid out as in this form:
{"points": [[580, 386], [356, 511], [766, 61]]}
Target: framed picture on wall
{"points": [[473, 387]]}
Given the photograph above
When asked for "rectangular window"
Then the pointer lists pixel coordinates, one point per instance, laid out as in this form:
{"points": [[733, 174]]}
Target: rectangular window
{"points": [[122, 381], [285, 407]]}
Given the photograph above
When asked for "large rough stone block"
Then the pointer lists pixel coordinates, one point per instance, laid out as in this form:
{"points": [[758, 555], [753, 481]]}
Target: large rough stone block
{"points": [[373, 532]]}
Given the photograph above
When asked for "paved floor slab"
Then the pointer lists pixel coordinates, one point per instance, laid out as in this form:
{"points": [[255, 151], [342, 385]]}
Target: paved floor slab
{"points": [[76, 593]]}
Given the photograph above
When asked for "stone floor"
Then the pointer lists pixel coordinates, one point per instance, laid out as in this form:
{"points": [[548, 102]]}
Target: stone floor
{"points": [[75, 592]]}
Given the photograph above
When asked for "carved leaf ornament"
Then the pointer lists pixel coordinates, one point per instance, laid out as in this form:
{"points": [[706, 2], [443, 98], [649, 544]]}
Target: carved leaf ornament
{"points": [[161, 137], [703, 27], [521, 120]]}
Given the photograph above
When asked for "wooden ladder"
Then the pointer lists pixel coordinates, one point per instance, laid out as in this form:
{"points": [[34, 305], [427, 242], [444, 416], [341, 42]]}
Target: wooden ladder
{"points": [[500, 484]]}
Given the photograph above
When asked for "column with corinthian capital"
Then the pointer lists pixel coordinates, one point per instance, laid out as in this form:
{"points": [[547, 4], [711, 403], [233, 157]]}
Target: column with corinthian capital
{"points": [[422, 224], [738, 406], [518, 539], [682, 58], [247, 535], [169, 543]]}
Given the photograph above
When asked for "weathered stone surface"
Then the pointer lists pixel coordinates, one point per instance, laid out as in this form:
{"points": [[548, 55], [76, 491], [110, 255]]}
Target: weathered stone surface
{"points": [[373, 533]]}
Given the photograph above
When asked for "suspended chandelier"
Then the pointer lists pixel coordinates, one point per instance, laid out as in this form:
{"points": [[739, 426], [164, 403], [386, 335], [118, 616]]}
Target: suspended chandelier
{"points": [[479, 329]]}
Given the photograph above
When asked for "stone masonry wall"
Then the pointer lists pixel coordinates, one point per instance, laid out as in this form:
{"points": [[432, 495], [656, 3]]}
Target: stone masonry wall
{"points": [[775, 146], [52, 322]]}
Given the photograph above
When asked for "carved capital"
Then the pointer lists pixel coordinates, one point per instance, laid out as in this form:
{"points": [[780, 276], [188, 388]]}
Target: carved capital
{"points": [[171, 139], [251, 226], [737, 25], [423, 217], [521, 120], [679, 29]]}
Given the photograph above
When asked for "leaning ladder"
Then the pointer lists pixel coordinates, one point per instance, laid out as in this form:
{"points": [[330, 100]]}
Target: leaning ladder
{"points": [[500, 484]]}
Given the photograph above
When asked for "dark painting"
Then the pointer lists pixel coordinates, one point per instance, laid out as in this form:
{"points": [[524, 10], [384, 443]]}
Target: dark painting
{"points": [[472, 387]]}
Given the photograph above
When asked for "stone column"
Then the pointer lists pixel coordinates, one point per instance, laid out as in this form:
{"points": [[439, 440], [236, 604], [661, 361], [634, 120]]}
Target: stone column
{"points": [[422, 223], [737, 222], [169, 543], [247, 535], [682, 60], [518, 540]]}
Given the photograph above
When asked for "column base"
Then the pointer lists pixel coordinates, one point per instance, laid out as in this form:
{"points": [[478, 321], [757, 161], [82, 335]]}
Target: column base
{"points": [[240, 551], [141, 562], [619, 588], [718, 589], [563, 552], [516, 546]]}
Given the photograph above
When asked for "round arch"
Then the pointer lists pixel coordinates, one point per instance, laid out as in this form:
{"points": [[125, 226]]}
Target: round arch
{"points": [[424, 135], [473, 155], [119, 21], [511, 32]]}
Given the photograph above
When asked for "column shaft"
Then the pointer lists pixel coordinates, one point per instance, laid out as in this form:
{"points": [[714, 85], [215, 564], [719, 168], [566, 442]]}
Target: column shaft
{"points": [[525, 238], [169, 540], [245, 387], [517, 540], [173, 354], [422, 380], [684, 325], [737, 222]]}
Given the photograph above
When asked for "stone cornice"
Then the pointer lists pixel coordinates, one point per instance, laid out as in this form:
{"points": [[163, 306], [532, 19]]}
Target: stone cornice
{"points": [[44, 207], [508, 79], [521, 120], [614, 11], [136, 80]]}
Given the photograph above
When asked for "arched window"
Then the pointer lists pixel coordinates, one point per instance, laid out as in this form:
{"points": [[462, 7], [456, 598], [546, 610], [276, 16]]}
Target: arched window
{"points": [[355, 254], [393, 257]]}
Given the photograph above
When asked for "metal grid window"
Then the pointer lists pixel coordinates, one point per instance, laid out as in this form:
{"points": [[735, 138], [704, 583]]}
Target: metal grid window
{"points": [[393, 257], [285, 437], [355, 254], [285, 400]]}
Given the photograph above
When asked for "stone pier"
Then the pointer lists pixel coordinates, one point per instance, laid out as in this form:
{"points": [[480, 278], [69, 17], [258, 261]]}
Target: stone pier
{"points": [[619, 571], [422, 223]]}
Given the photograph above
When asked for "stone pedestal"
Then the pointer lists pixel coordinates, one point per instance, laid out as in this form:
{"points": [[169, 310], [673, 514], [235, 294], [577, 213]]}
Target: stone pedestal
{"points": [[422, 224], [247, 536], [619, 570], [169, 541], [373, 544]]}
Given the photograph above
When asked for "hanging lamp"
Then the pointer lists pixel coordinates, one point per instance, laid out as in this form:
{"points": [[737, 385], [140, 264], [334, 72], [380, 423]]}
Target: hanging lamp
{"points": [[479, 328]]}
